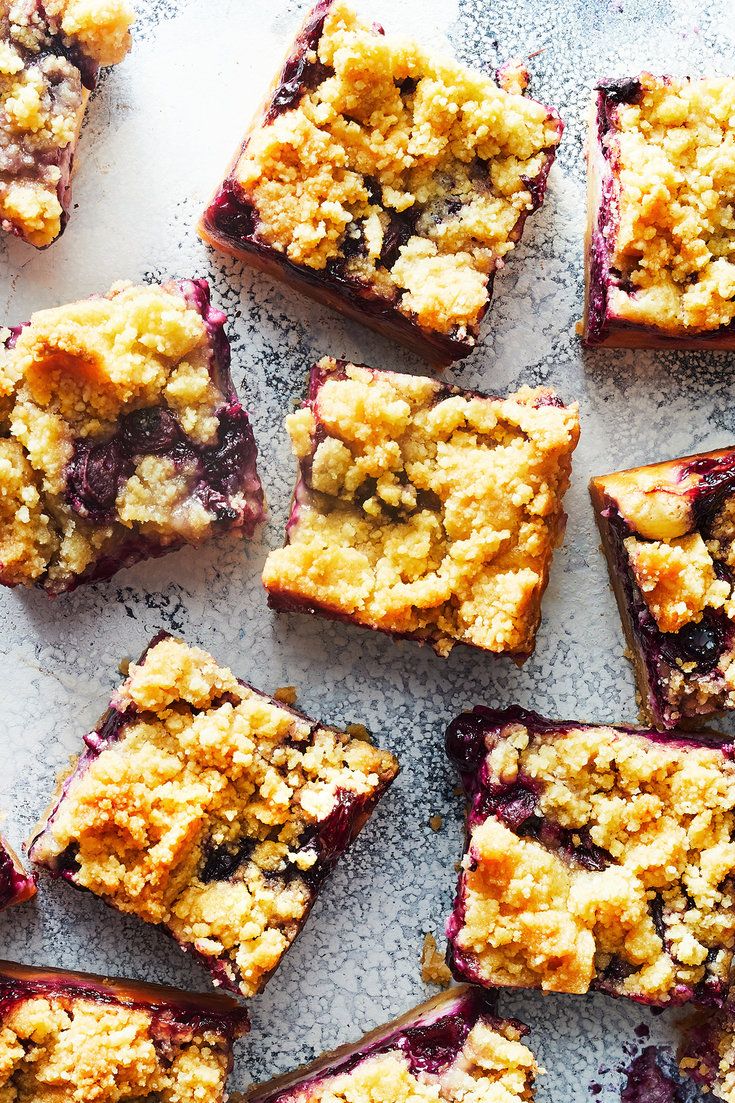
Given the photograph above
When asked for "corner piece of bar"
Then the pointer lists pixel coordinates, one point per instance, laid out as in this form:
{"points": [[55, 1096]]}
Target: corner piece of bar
{"points": [[71, 1036], [668, 534], [386, 182], [231, 809], [423, 510], [121, 435], [50, 58], [660, 234], [16, 886], [453, 1048], [597, 858]]}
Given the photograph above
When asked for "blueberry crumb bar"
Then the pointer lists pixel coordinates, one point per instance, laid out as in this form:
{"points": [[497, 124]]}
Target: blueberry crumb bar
{"points": [[386, 182], [423, 510], [121, 435], [452, 1048], [659, 266], [211, 809], [707, 1053], [596, 858], [668, 533], [50, 57], [68, 1037], [16, 886]]}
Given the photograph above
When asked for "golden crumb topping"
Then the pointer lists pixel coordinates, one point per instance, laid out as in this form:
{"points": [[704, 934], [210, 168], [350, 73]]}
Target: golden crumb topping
{"points": [[677, 579], [430, 513], [59, 1050], [71, 374], [673, 154], [199, 817], [494, 1066], [656, 913], [43, 95], [396, 143]]}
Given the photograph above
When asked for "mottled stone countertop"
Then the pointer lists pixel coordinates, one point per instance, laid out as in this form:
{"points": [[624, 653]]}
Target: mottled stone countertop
{"points": [[160, 130]]}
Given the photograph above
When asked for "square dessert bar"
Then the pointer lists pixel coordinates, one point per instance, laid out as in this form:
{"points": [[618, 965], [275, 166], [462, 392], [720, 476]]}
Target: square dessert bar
{"points": [[423, 510], [16, 885], [707, 1054], [206, 807], [386, 182], [50, 57], [74, 1036], [661, 235], [121, 435], [452, 1048], [668, 533], [596, 858]]}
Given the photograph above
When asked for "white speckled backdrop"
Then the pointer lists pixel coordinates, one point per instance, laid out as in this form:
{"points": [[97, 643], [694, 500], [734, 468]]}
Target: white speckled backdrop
{"points": [[159, 133]]}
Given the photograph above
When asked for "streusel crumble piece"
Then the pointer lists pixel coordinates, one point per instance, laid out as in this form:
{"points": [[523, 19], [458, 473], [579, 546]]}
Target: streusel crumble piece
{"points": [[202, 805], [16, 885], [596, 858], [386, 182], [660, 270], [50, 57], [668, 533], [69, 1037], [121, 435], [707, 1054], [452, 1048], [423, 510]]}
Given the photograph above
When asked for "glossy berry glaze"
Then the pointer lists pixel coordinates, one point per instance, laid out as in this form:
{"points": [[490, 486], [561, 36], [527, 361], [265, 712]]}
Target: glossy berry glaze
{"points": [[431, 1038], [176, 1015], [15, 884], [652, 1078], [328, 838], [702, 642], [469, 739]]}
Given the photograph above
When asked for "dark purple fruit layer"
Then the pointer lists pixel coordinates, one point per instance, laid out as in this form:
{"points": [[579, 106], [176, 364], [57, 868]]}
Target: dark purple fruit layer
{"points": [[430, 1045], [15, 884], [174, 1012], [651, 1078]]}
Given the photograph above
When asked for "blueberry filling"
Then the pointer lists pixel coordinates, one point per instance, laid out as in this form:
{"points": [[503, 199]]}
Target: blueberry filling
{"points": [[465, 741], [651, 1078], [94, 477], [301, 74], [232, 213], [332, 836], [701, 642], [401, 227], [222, 862], [621, 91], [152, 431], [431, 1048]]}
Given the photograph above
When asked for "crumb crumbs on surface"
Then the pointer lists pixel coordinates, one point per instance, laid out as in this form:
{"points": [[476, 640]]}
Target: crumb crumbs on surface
{"points": [[434, 969]]}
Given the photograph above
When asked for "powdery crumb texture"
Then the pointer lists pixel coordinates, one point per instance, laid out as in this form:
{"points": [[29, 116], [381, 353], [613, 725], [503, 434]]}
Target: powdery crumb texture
{"points": [[413, 170], [49, 56], [59, 1050], [70, 380], [674, 165], [655, 918], [200, 816], [493, 1066], [425, 512]]}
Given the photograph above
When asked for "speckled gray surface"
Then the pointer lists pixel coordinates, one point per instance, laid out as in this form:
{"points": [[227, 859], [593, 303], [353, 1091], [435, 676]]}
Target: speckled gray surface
{"points": [[159, 134]]}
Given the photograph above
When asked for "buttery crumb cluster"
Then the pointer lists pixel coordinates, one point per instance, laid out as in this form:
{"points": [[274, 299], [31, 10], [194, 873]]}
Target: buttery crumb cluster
{"points": [[50, 55], [423, 510], [672, 153], [669, 535], [120, 435], [399, 170], [606, 861], [204, 806]]}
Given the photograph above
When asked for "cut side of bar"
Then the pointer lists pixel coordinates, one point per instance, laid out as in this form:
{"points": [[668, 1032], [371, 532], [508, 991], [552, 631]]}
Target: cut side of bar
{"points": [[121, 435], [208, 808], [596, 858], [707, 1053], [660, 235], [50, 58], [453, 1048], [16, 886], [668, 534], [422, 510], [72, 1036], [386, 182]]}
